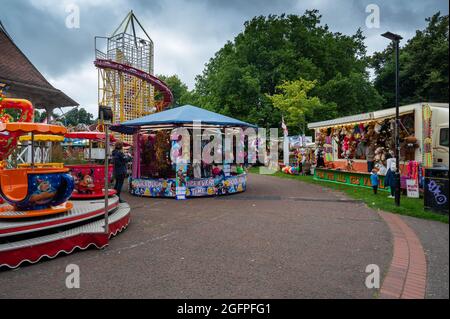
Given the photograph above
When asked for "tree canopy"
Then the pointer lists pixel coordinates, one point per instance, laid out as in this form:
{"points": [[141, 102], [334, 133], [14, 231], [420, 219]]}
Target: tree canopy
{"points": [[271, 50], [180, 90], [295, 66], [297, 105], [423, 66], [77, 116]]}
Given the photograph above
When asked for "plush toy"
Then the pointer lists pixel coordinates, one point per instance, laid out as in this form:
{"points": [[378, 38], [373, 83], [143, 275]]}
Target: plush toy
{"points": [[408, 148], [346, 144], [379, 154], [377, 128]]}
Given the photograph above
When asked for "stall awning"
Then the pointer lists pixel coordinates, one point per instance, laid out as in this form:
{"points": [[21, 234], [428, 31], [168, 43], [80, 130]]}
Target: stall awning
{"points": [[376, 115], [184, 115], [342, 120]]}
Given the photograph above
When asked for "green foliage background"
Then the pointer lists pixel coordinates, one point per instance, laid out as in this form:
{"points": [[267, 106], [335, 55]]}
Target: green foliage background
{"points": [[246, 73]]}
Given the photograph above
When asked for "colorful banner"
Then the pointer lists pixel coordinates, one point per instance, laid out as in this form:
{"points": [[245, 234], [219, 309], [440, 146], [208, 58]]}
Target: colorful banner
{"points": [[349, 178], [193, 187], [427, 160], [181, 181], [299, 141]]}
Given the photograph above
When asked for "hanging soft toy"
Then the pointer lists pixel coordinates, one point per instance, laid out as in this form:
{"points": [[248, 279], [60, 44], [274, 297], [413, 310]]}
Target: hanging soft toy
{"points": [[345, 144], [370, 132], [336, 134], [356, 132], [347, 140], [379, 154], [377, 128], [408, 148]]}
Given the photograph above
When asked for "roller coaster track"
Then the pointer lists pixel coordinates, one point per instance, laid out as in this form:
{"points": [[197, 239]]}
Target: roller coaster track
{"points": [[158, 84]]}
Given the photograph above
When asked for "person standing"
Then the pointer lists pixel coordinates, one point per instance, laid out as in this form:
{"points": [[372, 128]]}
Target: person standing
{"points": [[370, 157], [389, 180], [374, 181], [120, 160]]}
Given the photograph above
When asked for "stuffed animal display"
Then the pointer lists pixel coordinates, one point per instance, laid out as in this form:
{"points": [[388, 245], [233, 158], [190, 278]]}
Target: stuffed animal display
{"points": [[353, 140]]}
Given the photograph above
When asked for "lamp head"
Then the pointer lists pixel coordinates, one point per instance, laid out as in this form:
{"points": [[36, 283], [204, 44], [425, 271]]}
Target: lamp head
{"points": [[392, 36]]}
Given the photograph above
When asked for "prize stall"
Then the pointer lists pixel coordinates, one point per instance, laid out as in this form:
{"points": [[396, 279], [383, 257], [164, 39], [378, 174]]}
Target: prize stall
{"points": [[162, 169], [301, 155], [350, 148]]}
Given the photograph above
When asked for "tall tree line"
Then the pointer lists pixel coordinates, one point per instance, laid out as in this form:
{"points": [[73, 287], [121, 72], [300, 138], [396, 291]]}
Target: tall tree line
{"points": [[255, 76], [423, 66], [247, 78]]}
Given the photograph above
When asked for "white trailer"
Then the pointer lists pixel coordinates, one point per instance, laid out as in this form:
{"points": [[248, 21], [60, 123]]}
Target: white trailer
{"points": [[438, 140]]}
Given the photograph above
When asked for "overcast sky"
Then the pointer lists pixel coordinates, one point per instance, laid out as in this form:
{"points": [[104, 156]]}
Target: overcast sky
{"points": [[186, 33]]}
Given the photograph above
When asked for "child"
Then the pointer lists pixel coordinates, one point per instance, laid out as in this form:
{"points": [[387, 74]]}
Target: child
{"points": [[375, 181], [217, 171], [240, 169]]}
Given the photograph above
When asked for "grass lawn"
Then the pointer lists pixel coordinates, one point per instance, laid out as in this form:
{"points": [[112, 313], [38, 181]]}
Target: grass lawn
{"points": [[409, 206]]}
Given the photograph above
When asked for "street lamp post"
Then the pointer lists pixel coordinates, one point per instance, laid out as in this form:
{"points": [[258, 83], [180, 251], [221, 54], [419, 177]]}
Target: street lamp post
{"points": [[395, 38]]}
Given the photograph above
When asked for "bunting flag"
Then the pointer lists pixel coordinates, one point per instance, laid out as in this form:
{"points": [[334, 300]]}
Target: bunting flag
{"points": [[284, 127]]}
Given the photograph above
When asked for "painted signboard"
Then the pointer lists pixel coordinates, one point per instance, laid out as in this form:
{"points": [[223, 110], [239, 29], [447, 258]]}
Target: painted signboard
{"points": [[194, 187], [349, 178], [412, 188]]}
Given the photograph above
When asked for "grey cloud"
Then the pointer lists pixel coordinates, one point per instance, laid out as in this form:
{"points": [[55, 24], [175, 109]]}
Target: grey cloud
{"points": [[203, 26]]}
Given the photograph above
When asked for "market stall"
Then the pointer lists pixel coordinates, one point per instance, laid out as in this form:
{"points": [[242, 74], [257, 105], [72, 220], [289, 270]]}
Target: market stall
{"points": [[301, 157], [158, 170], [350, 148]]}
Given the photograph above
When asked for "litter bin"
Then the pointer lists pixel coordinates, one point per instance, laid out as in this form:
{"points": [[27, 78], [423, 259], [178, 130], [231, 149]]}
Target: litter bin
{"points": [[436, 190]]}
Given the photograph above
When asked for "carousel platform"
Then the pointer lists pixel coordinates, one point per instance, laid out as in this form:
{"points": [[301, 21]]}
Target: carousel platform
{"points": [[30, 240]]}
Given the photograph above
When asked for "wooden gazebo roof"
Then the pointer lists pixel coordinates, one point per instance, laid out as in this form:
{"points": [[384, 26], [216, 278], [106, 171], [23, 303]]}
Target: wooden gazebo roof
{"points": [[25, 80]]}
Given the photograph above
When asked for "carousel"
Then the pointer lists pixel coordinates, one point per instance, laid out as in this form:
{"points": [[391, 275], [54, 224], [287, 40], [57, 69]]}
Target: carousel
{"points": [[37, 220], [163, 168]]}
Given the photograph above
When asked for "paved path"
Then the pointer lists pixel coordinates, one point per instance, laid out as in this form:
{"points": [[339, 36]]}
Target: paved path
{"points": [[280, 239], [434, 237], [407, 275]]}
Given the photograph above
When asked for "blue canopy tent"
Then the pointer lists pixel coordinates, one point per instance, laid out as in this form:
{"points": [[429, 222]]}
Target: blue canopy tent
{"points": [[148, 182], [183, 115]]}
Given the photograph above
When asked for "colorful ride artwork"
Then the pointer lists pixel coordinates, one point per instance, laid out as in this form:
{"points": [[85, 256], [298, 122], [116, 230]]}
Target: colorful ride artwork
{"points": [[348, 178], [8, 140], [33, 191], [201, 187], [90, 178]]}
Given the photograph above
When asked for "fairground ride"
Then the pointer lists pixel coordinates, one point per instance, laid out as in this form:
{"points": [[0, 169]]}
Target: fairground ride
{"points": [[125, 66]]}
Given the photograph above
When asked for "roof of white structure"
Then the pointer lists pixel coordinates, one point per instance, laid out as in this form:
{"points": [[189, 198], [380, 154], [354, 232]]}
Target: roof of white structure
{"points": [[376, 115]]}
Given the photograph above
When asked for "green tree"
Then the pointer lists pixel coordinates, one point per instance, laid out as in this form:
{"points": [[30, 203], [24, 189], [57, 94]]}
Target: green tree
{"points": [[77, 116], [352, 94], [423, 66], [296, 105], [39, 116], [180, 90], [275, 49]]}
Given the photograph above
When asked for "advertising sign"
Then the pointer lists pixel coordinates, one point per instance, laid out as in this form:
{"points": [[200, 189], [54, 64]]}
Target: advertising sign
{"points": [[412, 188]]}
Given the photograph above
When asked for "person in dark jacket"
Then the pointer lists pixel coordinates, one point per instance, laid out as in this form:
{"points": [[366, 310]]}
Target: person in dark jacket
{"points": [[120, 160]]}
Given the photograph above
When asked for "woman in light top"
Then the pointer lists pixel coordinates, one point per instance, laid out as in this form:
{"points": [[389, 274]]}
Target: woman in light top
{"points": [[391, 166]]}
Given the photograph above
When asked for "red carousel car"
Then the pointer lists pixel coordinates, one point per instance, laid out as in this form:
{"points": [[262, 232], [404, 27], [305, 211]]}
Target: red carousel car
{"points": [[90, 178]]}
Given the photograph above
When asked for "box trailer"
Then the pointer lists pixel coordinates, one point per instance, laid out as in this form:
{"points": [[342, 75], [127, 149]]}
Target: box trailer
{"points": [[431, 129]]}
